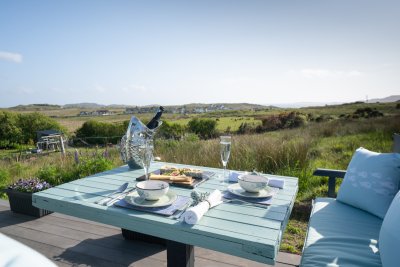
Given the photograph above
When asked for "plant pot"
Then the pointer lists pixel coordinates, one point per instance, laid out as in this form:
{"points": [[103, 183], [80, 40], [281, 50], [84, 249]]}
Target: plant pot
{"points": [[21, 202]]}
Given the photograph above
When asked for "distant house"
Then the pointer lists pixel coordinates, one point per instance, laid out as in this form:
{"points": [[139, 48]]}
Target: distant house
{"points": [[103, 112], [131, 110], [200, 110], [50, 140], [85, 113]]}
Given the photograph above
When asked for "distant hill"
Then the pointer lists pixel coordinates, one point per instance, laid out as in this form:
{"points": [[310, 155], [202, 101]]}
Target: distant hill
{"points": [[84, 105], [392, 98], [35, 107]]}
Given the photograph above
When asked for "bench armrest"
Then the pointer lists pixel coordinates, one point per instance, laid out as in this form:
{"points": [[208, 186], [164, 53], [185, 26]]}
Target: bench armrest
{"points": [[332, 174]]}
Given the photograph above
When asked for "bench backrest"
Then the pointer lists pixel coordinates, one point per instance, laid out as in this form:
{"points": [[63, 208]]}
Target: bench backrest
{"points": [[396, 145]]}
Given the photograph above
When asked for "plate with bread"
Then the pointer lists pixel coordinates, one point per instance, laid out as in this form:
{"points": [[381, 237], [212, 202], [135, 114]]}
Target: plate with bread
{"points": [[182, 177]]}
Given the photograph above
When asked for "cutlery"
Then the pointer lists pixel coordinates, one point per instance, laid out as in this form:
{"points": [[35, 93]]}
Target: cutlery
{"points": [[225, 200], [180, 211], [118, 197], [119, 190]]}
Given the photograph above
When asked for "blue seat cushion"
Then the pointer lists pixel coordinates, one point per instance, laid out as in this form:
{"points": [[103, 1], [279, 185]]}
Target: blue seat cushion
{"points": [[371, 181], [341, 235], [389, 237]]}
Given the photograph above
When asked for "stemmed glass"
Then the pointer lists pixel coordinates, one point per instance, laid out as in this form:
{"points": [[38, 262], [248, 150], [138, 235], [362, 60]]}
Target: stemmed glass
{"points": [[146, 156], [225, 149]]}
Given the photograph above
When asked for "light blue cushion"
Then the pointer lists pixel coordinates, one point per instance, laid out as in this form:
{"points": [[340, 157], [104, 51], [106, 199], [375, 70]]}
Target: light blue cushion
{"points": [[15, 254], [341, 235], [371, 181], [389, 237]]}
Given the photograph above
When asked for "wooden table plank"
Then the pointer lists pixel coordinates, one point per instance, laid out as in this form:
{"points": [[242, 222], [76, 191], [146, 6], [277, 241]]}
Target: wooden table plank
{"points": [[246, 231]]}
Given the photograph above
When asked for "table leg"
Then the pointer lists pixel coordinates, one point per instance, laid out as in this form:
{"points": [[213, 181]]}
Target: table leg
{"points": [[179, 254], [131, 235]]}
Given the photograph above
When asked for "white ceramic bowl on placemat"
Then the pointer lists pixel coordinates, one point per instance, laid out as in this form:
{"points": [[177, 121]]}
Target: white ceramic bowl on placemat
{"points": [[151, 189], [252, 183]]}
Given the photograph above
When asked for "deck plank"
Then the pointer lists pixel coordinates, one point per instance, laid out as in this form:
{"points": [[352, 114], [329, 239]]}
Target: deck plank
{"points": [[70, 241]]}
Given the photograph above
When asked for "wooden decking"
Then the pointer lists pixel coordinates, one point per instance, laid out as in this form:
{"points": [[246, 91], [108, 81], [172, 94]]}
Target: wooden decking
{"points": [[69, 241]]}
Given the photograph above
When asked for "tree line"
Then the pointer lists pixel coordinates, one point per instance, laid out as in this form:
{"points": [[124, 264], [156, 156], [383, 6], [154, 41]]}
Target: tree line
{"points": [[20, 128]]}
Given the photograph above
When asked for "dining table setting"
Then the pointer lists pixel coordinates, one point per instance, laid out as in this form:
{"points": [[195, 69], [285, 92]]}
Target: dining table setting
{"points": [[242, 213]]}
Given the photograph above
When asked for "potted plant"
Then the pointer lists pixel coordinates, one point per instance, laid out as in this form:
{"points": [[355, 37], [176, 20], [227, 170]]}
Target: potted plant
{"points": [[20, 196]]}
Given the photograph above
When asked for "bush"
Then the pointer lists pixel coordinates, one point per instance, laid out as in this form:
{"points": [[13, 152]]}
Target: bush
{"points": [[18, 129], [30, 123], [4, 178], [95, 132], [245, 128], [282, 121], [93, 165], [171, 131], [367, 113], [204, 128], [10, 133], [87, 166]]}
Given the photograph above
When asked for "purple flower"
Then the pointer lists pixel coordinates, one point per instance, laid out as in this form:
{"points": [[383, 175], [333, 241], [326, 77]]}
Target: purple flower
{"points": [[29, 185]]}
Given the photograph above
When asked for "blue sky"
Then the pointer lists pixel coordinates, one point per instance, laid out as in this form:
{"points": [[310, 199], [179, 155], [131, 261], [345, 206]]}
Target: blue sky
{"points": [[176, 52]]}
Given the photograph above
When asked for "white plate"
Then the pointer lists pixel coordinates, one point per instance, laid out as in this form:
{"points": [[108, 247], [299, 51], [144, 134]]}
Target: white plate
{"points": [[167, 199], [238, 191]]}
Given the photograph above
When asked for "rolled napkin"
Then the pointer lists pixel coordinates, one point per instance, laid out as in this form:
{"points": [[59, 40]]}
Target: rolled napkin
{"points": [[193, 215], [276, 182]]}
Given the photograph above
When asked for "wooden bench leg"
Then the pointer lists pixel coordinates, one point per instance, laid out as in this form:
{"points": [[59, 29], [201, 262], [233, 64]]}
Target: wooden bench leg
{"points": [[131, 235], [179, 254]]}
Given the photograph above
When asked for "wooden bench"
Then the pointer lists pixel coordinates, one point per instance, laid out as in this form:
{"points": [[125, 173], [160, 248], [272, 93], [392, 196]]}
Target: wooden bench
{"points": [[340, 234]]}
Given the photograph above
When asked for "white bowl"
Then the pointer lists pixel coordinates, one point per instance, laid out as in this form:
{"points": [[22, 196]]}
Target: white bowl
{"points": [[152, 190], [252, 183]]}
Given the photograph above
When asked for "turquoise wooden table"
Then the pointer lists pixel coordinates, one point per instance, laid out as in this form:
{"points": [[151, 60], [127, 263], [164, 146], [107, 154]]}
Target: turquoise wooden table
{"points": [[234, 228]]}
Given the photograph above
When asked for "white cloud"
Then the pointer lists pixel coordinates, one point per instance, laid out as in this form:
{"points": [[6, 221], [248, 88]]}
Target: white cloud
{"points": [[13, 57], [326, 73]]}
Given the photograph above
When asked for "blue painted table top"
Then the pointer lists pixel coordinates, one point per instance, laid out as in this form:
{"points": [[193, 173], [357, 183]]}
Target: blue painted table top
{"points": [[242, 230]]}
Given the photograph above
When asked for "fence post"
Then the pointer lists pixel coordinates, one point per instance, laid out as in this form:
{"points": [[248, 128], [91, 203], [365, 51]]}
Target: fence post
{"points": [[62, 145]]}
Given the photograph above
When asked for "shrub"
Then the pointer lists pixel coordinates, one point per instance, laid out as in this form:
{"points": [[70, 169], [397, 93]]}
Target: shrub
{"points": [[18, 129], [87, 166], [4, 178], [95, 132], [245, 128], [171, 131], [32, 122], [10, 133], [367, 113], [282, 121], [93, 165], [204, 128]]}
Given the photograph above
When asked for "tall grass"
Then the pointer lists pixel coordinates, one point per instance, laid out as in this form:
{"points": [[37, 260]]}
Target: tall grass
{"points": [[293, 152]]}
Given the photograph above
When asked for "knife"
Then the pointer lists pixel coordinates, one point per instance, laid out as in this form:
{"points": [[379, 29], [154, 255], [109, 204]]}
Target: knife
{"points": [[118, 197]]}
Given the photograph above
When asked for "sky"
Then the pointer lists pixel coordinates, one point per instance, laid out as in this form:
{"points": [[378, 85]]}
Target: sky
{"points": [[208, 51]]}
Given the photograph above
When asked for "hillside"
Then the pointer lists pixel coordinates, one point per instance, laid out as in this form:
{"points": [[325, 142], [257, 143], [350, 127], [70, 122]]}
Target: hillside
{"points": [[392, 98]]}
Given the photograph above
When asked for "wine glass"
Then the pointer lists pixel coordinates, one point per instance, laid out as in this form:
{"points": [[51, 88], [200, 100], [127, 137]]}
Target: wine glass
{"points": [[225, 149], [146, 156]]}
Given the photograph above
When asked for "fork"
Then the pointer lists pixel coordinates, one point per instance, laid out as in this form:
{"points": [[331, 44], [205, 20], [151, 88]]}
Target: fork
{"points": [[182, 210]]}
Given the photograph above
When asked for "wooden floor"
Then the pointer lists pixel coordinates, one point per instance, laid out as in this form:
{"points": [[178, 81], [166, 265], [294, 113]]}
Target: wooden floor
{"points": [[69, 241]]}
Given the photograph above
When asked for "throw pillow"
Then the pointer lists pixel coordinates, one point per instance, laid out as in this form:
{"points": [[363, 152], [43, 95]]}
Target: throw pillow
{"points": [[371, 181], [389, 236]]}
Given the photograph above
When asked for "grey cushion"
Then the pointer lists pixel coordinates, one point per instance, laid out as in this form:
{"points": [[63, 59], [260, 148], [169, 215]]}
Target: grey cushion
{"points": [[341, 235]]}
